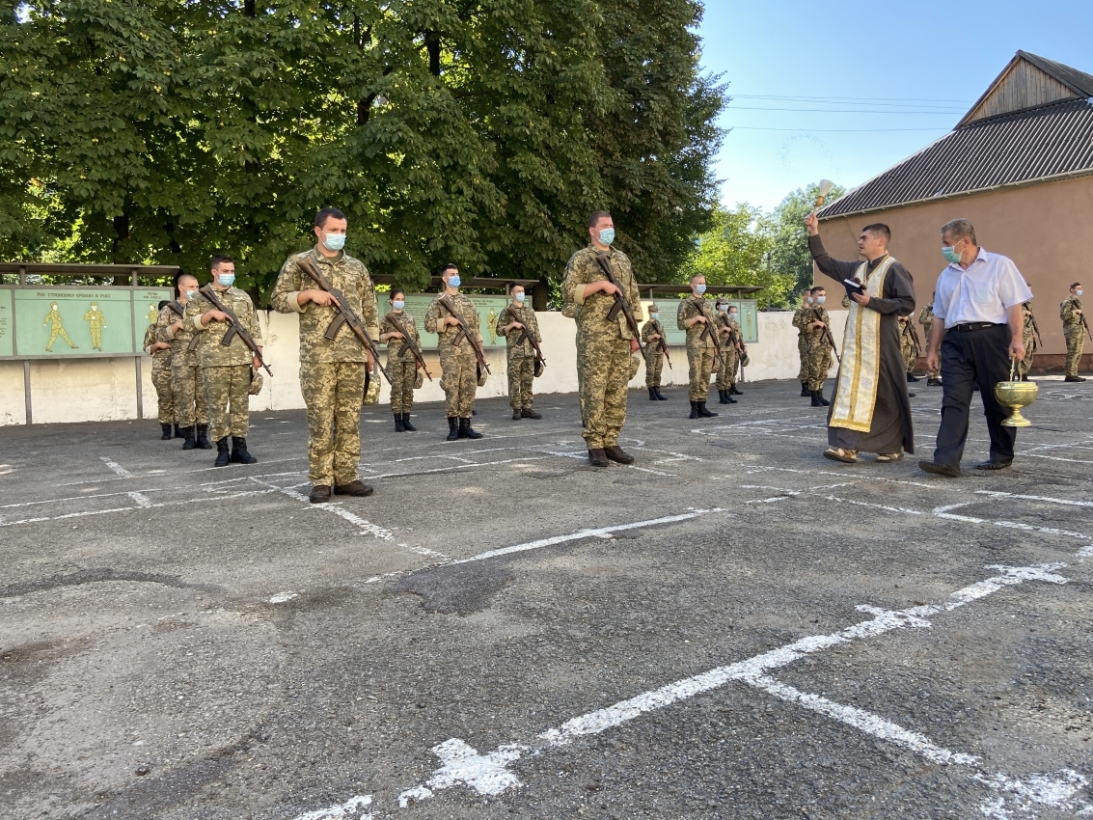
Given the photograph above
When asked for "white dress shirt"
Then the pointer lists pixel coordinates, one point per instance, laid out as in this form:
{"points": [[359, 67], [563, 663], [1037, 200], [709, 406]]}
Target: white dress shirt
{"points": [[982, 293]]}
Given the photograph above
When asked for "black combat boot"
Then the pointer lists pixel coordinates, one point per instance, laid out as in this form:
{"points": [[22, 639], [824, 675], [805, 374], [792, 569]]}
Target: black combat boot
{"points": [[652, 394], [721, 397], [165, 432], [734, 391], [516, 414], [400, 425], [178, 431], [189, 443], [694, 410], [805, 392], [702, 411], [223, 457], [728, 395], [660, 396], [528, 413], [406, 423], [453, 428], [239, 451], [911, 377], [466, 431], [203, 442]]}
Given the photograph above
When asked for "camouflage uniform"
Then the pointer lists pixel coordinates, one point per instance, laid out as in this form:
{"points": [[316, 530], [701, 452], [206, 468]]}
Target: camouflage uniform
{"points": [[401, 363], [730, 356], [57, 328], [926, 319], [603, 346], [97, 321], [816, 355], [906, 344], [802, 343], [1028, 336], [700, 352], [654, 357], [521, 355], [332, 371], [1074, 333], [186, 381], [161, 377], [225, 369], [457, 361]]}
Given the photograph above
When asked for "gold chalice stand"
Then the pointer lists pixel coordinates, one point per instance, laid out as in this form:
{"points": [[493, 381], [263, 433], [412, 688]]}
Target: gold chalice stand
{"points": [[1015, 395]]}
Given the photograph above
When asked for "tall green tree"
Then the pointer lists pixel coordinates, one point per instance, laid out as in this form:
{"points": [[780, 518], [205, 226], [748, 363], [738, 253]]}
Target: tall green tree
{"points": [[790, 254]]}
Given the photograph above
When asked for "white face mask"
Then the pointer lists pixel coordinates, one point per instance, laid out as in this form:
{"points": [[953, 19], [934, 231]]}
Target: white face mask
{"points": [[1078, 292]]}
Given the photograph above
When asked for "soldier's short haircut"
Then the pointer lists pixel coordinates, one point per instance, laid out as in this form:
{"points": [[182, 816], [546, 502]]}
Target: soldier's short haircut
{"points": [[652, 306], [958, 229], [512, 285], [596, 216], [1075, 285], [880, 230], [396, 292], [695, 276], [817, 289], [325, 214], [219, 259], [448, 267], [162, 304]]}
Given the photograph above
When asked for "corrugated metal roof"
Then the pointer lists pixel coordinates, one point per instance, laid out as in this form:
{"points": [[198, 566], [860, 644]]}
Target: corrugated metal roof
{"points": [[1027, 146]]}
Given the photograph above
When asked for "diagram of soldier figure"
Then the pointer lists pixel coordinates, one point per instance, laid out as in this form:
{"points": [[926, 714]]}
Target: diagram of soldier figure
{"points": [[97, 322], [153, 314], [53, 318], [491, 326]]}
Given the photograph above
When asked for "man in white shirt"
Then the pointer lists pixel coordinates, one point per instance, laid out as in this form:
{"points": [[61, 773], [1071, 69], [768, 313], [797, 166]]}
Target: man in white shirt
{"points": [[976, 333]]}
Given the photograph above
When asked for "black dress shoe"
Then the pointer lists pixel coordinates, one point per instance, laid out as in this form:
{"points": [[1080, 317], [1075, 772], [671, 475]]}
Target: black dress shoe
{"points": [[939, 469], [993, 465]]}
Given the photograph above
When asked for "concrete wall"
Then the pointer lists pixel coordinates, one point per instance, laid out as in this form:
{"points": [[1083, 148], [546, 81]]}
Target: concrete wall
{"points": [[71, 390], [1045, 229]]}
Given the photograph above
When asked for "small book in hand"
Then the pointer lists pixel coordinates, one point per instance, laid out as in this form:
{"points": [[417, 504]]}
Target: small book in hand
{"points": [[853, 286]]}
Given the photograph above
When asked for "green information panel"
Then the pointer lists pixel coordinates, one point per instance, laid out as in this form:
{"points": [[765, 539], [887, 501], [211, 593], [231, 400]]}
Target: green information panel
{"points": [[47, 322], [749, 318], [489, 308]]}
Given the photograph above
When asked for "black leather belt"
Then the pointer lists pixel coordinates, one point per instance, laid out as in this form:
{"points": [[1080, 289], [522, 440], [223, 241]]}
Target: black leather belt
{"points": [[969, 326]]}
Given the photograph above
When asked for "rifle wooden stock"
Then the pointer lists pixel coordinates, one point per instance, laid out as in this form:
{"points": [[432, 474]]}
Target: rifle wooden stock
{"points": [[464, 332], [621, 304], [236, 328], [535, 345], [827, 335], [409, 344]]}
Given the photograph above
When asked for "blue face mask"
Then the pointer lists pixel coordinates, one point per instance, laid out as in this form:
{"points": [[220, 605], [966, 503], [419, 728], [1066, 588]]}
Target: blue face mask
{"points": [[951, 256], [654, 316], [398, 304], [732, 316], [190, 294], [700, 289], [454, 281], [519, 297], [334, 241], [227, 280], [607, 236], [820, 300]]}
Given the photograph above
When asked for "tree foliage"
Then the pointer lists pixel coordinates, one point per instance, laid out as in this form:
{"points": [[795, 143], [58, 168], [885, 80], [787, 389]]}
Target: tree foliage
{"points": [[474, 131], [791, 255]]}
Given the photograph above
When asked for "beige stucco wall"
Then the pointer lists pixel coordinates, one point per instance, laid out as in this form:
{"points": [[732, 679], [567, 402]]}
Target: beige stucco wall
{"points": [[72, 390], [1046, 229]]}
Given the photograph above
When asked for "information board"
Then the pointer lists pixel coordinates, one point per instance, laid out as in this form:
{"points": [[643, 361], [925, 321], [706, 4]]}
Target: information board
{"points": [[748, 318], [488, 307], [60, 322]]}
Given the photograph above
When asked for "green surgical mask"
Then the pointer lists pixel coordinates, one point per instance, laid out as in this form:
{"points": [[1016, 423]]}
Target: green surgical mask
{"points": [[950, 254]]}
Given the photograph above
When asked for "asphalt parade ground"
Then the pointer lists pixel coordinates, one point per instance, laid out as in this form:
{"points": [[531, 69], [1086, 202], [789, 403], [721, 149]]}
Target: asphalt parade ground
{"points": [[731, 627]]}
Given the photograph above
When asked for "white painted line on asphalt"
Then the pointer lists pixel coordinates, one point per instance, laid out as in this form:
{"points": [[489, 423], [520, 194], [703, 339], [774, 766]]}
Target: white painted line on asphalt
{"points": [[117, 468], [455, 467], [140, 499], [351, 809], [649, 470], [149, 505], [857, 503], [1045, 499], [871, 479], [334, 509], [1086, 552], [943, 512], [1059, 458]]}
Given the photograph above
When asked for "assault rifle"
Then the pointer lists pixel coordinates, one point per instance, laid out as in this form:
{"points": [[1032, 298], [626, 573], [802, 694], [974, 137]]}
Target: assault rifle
{"points": [[464, 331], [662, 346], [345, 314], [827, 334], [705, 334], [408, 343], [620, 303], [1035, 327], [540, 362], [909, 326], [1085, 324], [236, 328]]}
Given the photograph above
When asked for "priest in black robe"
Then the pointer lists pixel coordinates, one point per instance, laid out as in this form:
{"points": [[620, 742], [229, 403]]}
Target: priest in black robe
{"points": [[870, 411]]}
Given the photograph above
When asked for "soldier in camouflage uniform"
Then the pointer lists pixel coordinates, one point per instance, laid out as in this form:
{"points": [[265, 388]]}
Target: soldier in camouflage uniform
{"points": [[190, 406], [161, 377], [695, 317], [604, 347], [332, 371], [802, 341], [1070, 311], [1028, 334], [226, 370], [813, 323], [907, 347], [401, 363], [651, 334], [521, 355], [926, 319], [457, 359], [729, 329]]}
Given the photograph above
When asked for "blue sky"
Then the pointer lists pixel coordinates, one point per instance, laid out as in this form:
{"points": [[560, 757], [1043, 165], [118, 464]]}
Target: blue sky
{"points": [[929, 60]]}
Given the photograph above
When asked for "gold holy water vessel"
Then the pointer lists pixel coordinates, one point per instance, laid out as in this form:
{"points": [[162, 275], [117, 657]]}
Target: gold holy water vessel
{"points": [[1015, 395]]}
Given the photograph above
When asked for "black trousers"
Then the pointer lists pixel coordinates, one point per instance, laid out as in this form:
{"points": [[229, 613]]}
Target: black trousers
{"points": [[978, 356]]}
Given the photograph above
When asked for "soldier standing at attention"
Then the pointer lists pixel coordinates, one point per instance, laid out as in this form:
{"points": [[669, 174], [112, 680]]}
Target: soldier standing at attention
{"points": [[738, 350], [926, 319], [651, 333], [1028, 334], [225, 369], [190, 404], [799, 322], [694, 316], [401, 363], [604, 346], [161, 378], [817, 322], [332, 371], [1070, 311], [515, 318], [730, 356], [457, 360]]}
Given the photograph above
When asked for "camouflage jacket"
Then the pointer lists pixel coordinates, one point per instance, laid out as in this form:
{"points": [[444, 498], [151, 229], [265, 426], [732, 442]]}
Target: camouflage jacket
{"points": [[150, 338], [799, 320], [178, 340], [397, 350], [519, 347], [648, 329], [926, 316], [449, 333], [344, 273], [1067, 308], [689, 308], [591, 312], [210, 352], [1028, 331], [736, 337], [806, 316]]}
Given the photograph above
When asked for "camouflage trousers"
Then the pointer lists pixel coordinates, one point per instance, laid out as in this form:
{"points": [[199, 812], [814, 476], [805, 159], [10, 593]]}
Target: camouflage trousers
{"points": [[227, 394], [165, 394], [603, 371], [59, 331], [521, 378], [1025, 365], [802, 351], [817, 365], [726, 373], [459, 380], [403, 377], [654, 364], [907, 348], [334, 393], [189, 393], [701, 364], [1075, 341]]}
